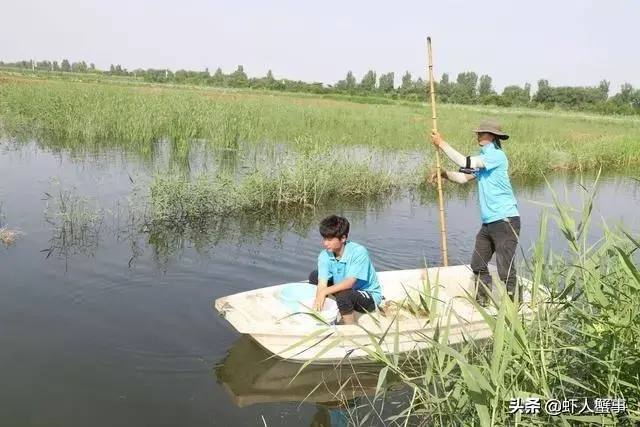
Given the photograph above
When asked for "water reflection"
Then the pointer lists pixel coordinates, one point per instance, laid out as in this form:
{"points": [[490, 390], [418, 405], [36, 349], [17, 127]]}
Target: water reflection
{"points": [[188, 156], [78, 224], [167, 240], [342, 393], [171, 313]]}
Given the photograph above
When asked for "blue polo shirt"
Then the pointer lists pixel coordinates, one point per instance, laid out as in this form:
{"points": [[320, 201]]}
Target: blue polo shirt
{"points": [[495, 194], [355, 262]]}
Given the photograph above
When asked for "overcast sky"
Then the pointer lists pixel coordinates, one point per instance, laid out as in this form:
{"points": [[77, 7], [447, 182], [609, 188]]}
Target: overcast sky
{"points": [[568, 42]]}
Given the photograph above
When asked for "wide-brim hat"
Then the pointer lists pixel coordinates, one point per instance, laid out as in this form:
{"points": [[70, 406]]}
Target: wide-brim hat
{"points": [[491, 126]]}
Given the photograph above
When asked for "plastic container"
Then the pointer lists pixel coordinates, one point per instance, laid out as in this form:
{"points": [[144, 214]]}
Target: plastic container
{"points": [[299, 297]]}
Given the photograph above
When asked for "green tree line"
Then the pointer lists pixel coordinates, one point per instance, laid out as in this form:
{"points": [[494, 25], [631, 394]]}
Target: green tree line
{"points": [[468, 87]]}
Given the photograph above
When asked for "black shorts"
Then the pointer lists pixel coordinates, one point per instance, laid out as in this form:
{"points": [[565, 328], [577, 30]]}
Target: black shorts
{"points": [[349, 300]]}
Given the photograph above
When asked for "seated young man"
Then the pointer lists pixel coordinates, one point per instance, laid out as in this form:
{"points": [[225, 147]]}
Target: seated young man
{"points": [[345, 271]]}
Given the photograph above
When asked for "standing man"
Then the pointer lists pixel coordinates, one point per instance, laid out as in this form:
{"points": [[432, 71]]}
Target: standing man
{"points": [[500, 229]]}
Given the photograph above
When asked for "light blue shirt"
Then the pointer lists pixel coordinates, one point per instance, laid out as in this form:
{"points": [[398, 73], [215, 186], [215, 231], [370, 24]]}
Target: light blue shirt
{"points": [[355, 262], [495, 194]]}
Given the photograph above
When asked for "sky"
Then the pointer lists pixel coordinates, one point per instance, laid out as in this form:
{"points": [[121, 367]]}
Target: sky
{"points": [[567, 42]]}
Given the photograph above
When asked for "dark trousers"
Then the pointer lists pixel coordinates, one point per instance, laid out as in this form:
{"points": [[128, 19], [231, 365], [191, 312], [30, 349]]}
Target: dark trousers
{"points": [[500, 237], [350, 299]]}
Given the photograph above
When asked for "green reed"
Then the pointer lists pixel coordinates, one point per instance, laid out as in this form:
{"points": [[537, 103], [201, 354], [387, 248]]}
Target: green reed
{"points": [[293, 181], [581, 342], [92, 115]]}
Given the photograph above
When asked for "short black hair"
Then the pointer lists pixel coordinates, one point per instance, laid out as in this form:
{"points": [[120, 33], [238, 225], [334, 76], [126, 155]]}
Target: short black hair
{"points": [[334, 226]]}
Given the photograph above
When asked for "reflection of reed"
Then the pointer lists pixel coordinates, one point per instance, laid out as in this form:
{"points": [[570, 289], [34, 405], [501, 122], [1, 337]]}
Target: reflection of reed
{"points": [[227, 161], [169, 238]]}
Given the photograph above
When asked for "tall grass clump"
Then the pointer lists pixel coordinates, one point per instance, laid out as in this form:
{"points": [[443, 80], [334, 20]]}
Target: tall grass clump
{"points": [[76, 221], [581, 341], [303, 180]]}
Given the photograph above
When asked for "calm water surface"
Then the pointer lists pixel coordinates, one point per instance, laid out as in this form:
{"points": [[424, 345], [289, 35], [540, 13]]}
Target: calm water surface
{"points": [[121, 330]]}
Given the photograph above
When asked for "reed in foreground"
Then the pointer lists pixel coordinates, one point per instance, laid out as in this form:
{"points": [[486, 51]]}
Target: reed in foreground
{"points": [[575, 361]]}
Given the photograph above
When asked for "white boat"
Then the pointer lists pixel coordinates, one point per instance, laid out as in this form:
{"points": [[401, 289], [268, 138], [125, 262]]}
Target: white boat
{"points": [[433, 300]]}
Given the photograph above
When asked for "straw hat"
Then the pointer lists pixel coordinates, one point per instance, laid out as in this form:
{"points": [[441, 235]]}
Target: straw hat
{"points": [[493, 127]]}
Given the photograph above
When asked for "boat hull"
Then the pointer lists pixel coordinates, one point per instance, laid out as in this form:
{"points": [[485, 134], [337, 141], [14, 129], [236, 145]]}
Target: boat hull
{"points": [[438, 307]]}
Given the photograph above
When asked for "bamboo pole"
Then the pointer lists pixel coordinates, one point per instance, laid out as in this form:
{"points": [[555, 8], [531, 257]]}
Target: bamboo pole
{"points": [[443, 232]]}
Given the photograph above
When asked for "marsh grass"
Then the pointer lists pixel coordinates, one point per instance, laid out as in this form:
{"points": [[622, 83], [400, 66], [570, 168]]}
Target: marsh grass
{"points": [[582, 341], [76, 221], [302, 181], [89, 115]]}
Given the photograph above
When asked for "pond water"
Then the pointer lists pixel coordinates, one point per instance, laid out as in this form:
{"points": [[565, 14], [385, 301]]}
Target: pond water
{"points": [[120, 329]]}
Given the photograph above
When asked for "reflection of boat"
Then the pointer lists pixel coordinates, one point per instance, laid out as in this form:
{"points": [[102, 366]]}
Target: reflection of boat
{"points": [[252, 375], [429, 299]]}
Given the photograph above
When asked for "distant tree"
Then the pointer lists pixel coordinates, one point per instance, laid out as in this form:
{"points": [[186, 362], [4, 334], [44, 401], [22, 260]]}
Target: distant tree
{"points": [[445, 88], [350, 80], [218, 77], [635, 100], [575, 97], [239, 78], [368, 82], [349, 83], [625, 96], [44, 65], [465, 90], [387, 82], [79, 67], [65, 66], [515, 95], [484, 88], [407, 83], [272, 83], [604, 89], [544, 94], [420, 89]]}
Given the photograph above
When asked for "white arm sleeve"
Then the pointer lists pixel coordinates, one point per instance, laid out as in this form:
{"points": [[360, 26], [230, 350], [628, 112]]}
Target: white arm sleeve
{"points": [[459, 159], [458, 177]]}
